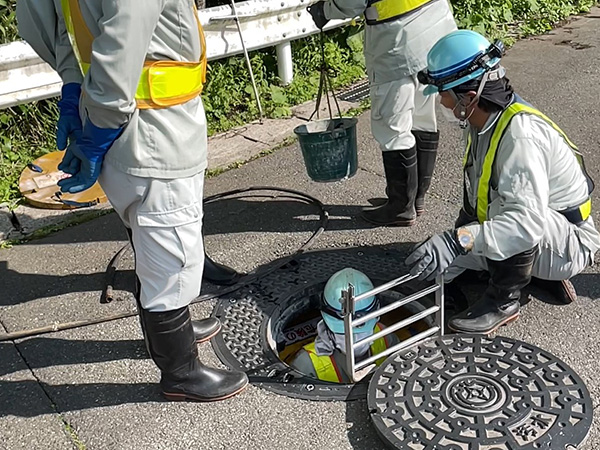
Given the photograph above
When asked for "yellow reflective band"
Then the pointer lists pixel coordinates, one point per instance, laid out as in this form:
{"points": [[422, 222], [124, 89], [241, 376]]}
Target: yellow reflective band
{"points": [[166, 83], [162, 83], [390, 9], [586, 210], [324, 365], [483, 187], [378, 346]]}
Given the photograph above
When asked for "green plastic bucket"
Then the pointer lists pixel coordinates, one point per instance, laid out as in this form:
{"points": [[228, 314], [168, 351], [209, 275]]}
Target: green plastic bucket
{"points": [[329, 148]]}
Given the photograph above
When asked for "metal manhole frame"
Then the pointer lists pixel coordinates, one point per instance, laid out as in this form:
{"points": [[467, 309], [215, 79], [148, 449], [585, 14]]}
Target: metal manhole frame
{"points": [[533, 425]]}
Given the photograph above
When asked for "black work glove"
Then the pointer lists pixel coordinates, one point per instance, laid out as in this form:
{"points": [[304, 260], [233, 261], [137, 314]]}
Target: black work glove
{"points": [[318, 14], [434, 256]]}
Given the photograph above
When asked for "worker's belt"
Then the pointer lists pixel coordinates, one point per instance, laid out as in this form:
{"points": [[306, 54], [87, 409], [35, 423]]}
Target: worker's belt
{"points": [[577, 215], [162, 83], [389, 10]]}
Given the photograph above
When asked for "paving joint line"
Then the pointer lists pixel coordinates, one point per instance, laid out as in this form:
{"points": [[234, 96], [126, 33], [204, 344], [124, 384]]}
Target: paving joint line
{"points": [[67, 427]]}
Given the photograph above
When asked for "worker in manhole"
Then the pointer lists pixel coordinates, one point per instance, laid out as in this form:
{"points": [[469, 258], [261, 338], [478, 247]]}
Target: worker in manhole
{"points": [[398, 35], [325, 358], [527, 208], [132, 112]]}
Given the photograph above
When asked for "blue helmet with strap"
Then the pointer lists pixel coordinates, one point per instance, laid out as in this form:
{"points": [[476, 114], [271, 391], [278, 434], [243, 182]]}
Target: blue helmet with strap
{"points": [[331, 309], [460, 57]]}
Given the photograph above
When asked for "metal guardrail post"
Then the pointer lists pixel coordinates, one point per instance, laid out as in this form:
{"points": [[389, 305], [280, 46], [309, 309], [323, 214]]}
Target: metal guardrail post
{"points": [[357, 370]]}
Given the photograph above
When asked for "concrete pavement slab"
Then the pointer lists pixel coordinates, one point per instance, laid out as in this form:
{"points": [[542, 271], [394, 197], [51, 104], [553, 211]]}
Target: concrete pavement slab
{"points": [[60, 278], [28, 419]]}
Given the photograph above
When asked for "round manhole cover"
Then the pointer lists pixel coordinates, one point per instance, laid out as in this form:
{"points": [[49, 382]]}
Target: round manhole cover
{"points": [[469, 392]]}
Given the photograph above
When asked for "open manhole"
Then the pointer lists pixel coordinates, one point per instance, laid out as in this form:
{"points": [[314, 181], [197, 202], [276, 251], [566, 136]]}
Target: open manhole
{"points": [[466, 392], [269, 320]]}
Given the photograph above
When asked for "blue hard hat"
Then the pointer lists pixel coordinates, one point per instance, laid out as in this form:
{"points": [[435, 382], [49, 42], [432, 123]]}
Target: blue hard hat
{"points": [[331, 310], [457, 58]]}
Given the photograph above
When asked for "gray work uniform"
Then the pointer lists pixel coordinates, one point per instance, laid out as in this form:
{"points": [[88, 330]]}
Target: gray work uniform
{"points": [[153, 174], [535, 175], [395, 52]]}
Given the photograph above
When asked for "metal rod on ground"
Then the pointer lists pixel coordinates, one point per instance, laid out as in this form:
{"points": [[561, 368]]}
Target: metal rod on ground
{"points": [[239, 27]]}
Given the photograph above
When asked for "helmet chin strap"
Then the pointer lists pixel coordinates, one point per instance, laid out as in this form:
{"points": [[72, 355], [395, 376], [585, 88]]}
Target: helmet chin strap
{"points": [[464, 118], [462, 108]]}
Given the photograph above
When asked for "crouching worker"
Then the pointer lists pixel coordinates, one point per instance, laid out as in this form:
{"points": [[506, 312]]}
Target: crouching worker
{"points": [[526, 209], [325, 358]]}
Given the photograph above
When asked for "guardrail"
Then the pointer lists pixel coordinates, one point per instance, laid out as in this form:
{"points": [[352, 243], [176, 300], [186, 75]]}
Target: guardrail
{"points": [[24, 77]]}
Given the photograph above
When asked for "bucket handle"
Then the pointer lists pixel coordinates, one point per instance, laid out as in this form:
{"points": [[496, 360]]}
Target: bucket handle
{"points": [[325, 85]]}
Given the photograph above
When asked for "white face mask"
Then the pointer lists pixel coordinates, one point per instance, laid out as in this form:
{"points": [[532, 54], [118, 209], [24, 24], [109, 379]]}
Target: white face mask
{"points": [[451, 118], [449, 115]]}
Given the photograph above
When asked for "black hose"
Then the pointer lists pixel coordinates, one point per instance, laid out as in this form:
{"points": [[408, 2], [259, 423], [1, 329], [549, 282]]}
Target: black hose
{"points": [[107, 293]]}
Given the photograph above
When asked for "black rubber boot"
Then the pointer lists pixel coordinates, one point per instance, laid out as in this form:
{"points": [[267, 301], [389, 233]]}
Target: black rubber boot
{"points": [[206, 328], [427, 146], [219, 274], [401, 177], [500, 303], [172, 346], [562, 290]]}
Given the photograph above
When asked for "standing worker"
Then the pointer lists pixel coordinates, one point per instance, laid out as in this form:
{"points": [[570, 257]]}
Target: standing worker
{"points": [[142, 134], [399, 33], [527, 206]]}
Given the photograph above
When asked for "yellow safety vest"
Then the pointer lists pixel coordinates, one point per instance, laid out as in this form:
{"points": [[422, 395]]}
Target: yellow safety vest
{"points": [[162, 83], [380, 11], [326, 367], [483, 188]]}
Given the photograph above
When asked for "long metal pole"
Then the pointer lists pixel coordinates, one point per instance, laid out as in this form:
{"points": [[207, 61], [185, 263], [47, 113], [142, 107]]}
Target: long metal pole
{"points": [[239, 27]]}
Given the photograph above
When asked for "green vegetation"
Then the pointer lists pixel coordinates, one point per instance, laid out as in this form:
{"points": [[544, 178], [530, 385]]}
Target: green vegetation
{"points": [[27, 131]]}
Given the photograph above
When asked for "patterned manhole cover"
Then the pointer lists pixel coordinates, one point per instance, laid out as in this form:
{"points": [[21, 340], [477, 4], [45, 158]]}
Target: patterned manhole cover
{"points": [[252, 318], [468, 392]]}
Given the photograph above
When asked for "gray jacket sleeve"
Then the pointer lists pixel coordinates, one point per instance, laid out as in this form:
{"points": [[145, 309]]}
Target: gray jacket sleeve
{"points": [[41, 24], [344, 9], [118, 55]]}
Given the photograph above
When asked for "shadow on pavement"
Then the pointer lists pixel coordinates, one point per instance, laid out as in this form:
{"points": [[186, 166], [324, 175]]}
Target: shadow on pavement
{"points": [[21, 398], [361, 432], [230, 216], [42, 352], [227, 216], [23, 287]]}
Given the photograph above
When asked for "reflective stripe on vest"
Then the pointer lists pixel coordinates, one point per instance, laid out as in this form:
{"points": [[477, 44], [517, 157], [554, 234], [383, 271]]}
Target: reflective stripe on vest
{"points": [[388, 10], [162, 83], [325, 366], [483, 187]]}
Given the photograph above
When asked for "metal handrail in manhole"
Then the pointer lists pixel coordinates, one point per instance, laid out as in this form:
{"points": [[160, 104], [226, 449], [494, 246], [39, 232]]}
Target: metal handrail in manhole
{"points": [[357, 370]]}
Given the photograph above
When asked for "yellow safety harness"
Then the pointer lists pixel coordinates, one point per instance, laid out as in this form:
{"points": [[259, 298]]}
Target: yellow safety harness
{"points": [[162, 83], [380, 11], [576, 215], [326, 367]]}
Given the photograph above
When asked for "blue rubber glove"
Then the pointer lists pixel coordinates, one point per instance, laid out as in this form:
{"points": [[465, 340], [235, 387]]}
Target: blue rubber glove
{"points": [[434, 256], [68, 128], [90, 149]]}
